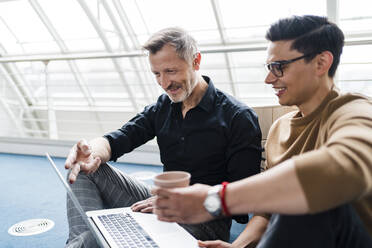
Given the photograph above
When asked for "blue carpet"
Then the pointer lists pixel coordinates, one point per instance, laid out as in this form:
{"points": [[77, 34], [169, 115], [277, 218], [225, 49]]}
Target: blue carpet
{"points": [[30, 189]]}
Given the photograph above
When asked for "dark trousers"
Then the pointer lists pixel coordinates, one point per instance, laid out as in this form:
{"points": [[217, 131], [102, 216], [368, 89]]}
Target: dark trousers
{"points": [[335, 228]]}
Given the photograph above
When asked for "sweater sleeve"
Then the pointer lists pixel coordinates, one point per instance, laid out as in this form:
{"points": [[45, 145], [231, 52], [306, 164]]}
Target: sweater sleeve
{"points": [[340, 170]]}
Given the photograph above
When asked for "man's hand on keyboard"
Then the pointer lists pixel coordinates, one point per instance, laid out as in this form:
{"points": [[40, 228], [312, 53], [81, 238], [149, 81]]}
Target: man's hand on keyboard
{"points": [[145, 206]]}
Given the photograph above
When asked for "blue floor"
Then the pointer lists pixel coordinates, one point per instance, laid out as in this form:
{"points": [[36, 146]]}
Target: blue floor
{"points": [[30, 189]]}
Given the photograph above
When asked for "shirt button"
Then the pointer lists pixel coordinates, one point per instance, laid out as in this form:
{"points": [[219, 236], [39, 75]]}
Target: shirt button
{"points": [[182, 138]]}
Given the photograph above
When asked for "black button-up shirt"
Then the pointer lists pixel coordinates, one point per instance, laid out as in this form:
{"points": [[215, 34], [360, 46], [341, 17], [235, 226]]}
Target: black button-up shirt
{"points": [[218, 140]]}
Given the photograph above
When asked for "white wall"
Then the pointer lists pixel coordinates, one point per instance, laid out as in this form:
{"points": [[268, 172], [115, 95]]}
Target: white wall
{"points": [[146, 154]]}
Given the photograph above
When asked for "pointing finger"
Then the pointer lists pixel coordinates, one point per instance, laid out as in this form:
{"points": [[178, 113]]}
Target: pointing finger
{"points": [[71, 158], [74, 172]]}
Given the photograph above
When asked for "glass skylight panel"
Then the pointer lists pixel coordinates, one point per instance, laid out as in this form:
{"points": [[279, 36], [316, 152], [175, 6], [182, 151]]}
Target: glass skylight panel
{"points": [[62, 87], [65, 95], [355, 70], [137, 74], [56, 75], [355, 16], [250, 74], [246, 91], [8, 42], [220, 78], [105, 83], [212, 61], [214, 66], [130, 65], [69, 102], [100, 78], [135, 16], [114, 103], [356, 54], [6, 92], [245, 20], [114, 86], [95, 65], [34, 75], [7, 123], [249, 66], [207, 36], [251, 58], [27, 28], [110, 95], [57, 66], [197, 20], [77, 125], [72, 24], [217, 75], [106, 14]]}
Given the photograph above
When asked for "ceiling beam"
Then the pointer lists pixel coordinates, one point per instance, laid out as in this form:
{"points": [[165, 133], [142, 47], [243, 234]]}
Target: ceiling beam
{"points": [[106, 55], [133, 37], [71, 63], [119, 32], [109, 49], [333, 10], [221, 30]]}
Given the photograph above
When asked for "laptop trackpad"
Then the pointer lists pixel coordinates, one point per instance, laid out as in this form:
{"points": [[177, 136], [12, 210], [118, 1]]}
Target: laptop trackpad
{"points": [[164, 233]]}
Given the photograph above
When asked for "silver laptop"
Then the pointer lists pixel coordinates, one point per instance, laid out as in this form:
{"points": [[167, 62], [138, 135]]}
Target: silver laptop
{"points": [[120, 227]]}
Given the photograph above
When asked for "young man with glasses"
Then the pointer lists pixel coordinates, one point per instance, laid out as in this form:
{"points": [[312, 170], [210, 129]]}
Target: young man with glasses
{"points": [[317, 186]]}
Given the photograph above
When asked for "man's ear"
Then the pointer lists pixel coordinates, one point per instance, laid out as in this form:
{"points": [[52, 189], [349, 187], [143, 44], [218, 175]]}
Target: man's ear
{"points": [[196, 61], [324, 61]]}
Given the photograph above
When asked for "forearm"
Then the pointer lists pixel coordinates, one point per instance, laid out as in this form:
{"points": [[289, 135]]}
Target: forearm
{"points": [[101, 148], [277, 190], [252, 233]]}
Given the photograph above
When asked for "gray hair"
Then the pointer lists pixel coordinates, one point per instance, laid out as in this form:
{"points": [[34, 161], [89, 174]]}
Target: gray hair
{"points": [[184, 43]]}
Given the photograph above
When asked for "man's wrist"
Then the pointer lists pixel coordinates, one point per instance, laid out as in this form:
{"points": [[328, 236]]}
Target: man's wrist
{"points": [[212, 203], [225, 210]]}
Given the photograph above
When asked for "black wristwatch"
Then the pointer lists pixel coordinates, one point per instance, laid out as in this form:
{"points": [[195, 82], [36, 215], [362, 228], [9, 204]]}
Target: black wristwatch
{"points": [[212, 202]]}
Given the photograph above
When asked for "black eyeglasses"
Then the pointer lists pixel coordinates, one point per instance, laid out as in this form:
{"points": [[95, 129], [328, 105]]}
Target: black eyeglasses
{"points": [[276, 67]]}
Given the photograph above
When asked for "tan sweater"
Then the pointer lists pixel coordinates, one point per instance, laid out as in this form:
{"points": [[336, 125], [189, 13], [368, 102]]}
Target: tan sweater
{"points": [[332, 152]]}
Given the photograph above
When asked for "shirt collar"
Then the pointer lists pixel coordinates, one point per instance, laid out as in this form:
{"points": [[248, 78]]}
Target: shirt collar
{"points": [[209, 97]]}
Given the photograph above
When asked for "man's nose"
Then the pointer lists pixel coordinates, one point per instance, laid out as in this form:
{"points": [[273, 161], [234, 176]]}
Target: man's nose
{"points": [[164, 81], [270, 78]]}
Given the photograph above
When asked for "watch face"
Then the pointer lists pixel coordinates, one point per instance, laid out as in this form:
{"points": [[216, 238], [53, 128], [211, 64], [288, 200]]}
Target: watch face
{"points": [[212, 203]]}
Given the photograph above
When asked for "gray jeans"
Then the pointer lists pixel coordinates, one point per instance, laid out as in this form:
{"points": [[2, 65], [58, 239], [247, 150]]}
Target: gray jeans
{"points": [[110, 188]]}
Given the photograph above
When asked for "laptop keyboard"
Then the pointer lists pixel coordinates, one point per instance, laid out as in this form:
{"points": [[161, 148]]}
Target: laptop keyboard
{"points": [[126, 232]]}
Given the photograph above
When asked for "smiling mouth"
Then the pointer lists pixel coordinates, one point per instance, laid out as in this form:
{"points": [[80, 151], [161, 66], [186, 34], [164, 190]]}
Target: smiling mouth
{"points": [[280, 91], [173, 89]]}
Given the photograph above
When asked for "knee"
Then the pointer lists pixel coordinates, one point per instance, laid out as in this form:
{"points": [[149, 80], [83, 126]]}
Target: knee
{"points": [[83, 240]]}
